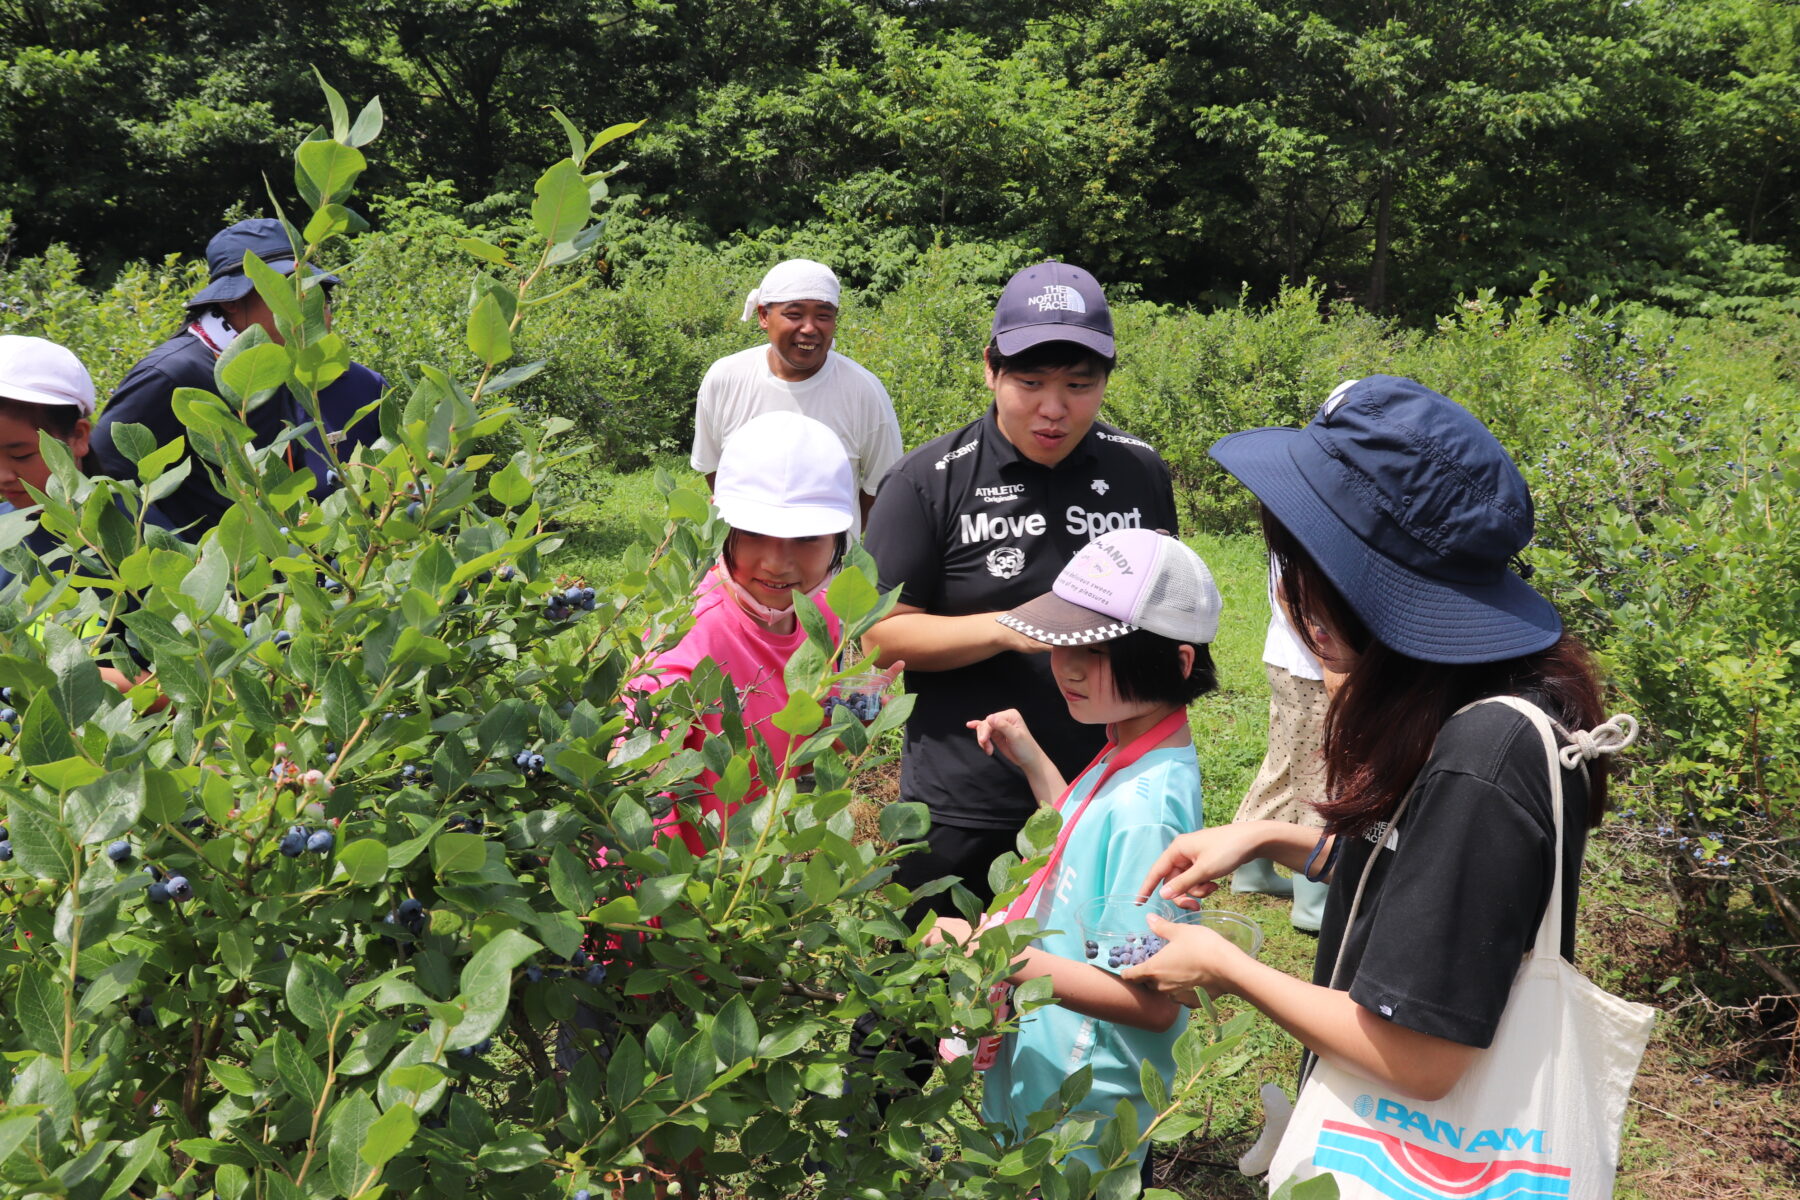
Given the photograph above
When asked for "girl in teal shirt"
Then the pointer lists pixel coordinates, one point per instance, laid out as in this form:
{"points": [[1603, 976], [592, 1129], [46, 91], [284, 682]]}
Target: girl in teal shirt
{"points": [[1128, 624]]}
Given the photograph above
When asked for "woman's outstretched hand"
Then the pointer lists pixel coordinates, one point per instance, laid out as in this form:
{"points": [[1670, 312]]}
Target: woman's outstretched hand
{"points": [[1194, 863], [1195, 959]]}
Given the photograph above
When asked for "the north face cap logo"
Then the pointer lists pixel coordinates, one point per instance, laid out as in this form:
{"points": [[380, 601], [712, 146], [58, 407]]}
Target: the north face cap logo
{"points": [[1058, 297]]}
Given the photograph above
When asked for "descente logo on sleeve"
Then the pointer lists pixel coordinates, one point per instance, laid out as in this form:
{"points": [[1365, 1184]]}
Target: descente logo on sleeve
{"points": [[965, 448], [1121, 439]]}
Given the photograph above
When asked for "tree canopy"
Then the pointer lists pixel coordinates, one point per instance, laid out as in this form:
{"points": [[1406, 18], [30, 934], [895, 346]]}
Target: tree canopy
{"points": [[1401, 154]]}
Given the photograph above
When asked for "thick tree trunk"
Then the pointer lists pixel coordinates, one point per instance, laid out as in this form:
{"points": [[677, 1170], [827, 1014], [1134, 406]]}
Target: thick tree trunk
{"points": [[1384, 215]]}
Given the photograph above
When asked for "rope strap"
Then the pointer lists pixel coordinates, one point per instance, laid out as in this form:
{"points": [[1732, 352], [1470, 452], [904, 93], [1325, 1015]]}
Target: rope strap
{"points": [[1588, 744]]}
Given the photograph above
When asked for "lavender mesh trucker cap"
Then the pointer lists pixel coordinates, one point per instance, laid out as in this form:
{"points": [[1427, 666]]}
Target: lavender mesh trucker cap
{"points": [[1125, 580]]}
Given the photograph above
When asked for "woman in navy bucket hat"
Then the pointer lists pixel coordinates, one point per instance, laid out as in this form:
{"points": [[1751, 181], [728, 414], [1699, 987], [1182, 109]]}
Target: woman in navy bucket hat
{"points": [[1397, 519]]}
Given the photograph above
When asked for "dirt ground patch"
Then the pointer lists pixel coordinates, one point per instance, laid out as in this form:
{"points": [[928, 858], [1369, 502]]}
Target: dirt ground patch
{"points": [[874, 788], [1694, 1136]]}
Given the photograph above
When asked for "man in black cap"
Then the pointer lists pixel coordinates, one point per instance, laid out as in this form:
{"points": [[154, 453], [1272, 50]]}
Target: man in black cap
{"points": [[217, 314], [982, 520]]}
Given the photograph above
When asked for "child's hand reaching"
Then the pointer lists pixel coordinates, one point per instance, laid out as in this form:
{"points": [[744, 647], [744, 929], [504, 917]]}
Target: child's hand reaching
{"points": [[1006, 729], [950, 929]]}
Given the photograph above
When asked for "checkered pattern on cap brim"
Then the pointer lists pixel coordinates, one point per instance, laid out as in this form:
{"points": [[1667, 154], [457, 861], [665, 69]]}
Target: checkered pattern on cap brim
{"points": [[1079, 637]]}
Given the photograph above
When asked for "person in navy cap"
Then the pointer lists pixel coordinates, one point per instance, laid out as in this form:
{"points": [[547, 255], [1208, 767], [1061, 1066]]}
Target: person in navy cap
{"points": [[976, 523], [217, 314], [1396, 520]]}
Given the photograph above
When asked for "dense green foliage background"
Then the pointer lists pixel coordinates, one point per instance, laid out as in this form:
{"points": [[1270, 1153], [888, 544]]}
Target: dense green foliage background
{"points": [[1400, 154]]}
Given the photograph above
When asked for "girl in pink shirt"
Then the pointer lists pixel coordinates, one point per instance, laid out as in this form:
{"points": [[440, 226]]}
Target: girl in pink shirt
{"points": [[786, 489]]}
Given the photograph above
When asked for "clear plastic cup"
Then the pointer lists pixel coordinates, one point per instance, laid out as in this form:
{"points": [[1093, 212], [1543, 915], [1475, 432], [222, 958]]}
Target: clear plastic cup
{"points": [[863, 694], [1116, 935], [1241, 932]]}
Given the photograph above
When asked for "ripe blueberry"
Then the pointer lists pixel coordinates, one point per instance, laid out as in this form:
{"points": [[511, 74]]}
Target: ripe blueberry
{"points": [[119, 851], [6, 850], [293, 841], [595, 976], [158, 893], [321, 842], [9, 715], [179, 888], [413, 510]]}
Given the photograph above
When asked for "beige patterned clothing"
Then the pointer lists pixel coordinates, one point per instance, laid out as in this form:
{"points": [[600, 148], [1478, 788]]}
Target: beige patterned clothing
{"points": [[1292, 778]]}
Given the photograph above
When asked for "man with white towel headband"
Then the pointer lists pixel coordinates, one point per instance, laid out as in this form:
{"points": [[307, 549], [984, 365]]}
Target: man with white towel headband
{"points": [[797, 371]]}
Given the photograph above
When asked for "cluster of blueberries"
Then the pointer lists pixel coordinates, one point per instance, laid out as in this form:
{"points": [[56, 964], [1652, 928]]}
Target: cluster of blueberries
{"points": [[6, 850], [174, 887], [8, 715], [864, 706], [299, 838], [530, 762], [591, 972], [409, 914], [560, 606], [1134, 950]]}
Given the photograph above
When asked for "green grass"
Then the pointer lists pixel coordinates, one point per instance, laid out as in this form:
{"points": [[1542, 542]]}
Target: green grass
{"points": [[604, 520]]}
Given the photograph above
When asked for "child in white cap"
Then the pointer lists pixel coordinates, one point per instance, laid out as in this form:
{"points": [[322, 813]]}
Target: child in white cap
{"points": [[797, 371], [1128, 622], [785, 489], [45, 390]]}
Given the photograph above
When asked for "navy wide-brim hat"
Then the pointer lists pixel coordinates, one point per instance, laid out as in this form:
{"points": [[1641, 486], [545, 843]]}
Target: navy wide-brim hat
{"points": [[1414, 511], [261, 236]]}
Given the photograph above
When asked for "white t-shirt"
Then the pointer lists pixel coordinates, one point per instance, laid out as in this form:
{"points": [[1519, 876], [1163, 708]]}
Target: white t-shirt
{"points": [[1282, 646], [844, 396]]}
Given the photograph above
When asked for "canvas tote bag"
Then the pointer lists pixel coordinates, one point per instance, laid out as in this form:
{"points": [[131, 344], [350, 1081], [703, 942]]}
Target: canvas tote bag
{"points": [[1538, 1114]]}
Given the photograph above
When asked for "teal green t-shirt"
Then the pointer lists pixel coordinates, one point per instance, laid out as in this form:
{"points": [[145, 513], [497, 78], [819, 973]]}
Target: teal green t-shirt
{"points": [[1127, 826]]}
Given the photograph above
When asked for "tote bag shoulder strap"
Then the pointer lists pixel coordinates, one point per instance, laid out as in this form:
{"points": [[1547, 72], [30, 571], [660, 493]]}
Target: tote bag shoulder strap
{"points": [[1583, 746]]}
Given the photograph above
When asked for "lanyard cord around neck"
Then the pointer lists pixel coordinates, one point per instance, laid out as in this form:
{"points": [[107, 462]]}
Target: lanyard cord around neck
{"points": [[1139, 746]]}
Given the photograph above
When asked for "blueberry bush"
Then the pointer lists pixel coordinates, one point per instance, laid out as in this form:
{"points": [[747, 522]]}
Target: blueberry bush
{"points": [[359, 891]]}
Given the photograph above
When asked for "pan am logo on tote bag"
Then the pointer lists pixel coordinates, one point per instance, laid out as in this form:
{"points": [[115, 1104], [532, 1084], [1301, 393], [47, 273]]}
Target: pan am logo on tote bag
{"points": [[1391, 1167]]}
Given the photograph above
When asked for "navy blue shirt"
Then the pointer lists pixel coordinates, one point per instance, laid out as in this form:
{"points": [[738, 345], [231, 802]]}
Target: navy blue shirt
{"points": [[145, 398], [42, 542]]}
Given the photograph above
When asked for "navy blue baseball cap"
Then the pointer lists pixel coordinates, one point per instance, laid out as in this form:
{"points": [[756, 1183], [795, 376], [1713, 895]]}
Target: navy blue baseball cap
{"points": [[1414, 511], [261, 236], [1053, 302]]}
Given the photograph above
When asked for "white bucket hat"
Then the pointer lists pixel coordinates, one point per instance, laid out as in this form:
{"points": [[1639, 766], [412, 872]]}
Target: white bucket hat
{"points": [[785, 475], [35, 371]]}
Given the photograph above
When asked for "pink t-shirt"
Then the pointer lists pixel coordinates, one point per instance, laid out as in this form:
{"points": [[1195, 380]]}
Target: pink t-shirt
{"points": [[753, 658]]}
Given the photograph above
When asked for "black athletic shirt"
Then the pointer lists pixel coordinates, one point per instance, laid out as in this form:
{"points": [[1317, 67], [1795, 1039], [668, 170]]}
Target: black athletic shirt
{"points": [[967, 524], [1449, 913]]}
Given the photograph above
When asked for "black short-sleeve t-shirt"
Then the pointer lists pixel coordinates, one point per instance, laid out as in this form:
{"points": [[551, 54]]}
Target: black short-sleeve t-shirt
{"points": [[967, 524], [1459, 887]]}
